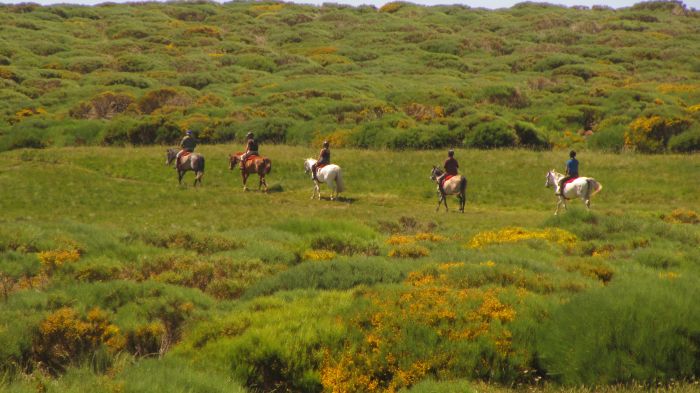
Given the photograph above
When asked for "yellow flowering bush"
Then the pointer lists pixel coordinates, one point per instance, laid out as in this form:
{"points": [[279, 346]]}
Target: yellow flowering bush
{"points": [[64, 337], [409, 251], [319, 255], [516, 234], [650, 134], [391, 7], [683, 216], [54, 259], [669, 275], [420, 112], [25, 113], [452, 318]]}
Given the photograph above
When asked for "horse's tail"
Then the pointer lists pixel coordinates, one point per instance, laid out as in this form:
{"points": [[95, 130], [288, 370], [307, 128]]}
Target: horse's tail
{"points": [[268, 166], [593, 187], [339, 184]]}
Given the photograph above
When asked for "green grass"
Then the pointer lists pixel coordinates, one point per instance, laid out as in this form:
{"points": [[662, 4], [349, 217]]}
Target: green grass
{"points": [[408, 76], [231, 279]]}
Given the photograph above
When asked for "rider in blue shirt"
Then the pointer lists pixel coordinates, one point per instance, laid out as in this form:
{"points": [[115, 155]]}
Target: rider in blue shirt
{"points": [[571, 171]]}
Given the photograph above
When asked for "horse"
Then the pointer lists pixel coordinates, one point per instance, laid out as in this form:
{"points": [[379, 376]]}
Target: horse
{"points": [[328, 174], [254, 164], [456, 185], [191, 162], [583, 187]]}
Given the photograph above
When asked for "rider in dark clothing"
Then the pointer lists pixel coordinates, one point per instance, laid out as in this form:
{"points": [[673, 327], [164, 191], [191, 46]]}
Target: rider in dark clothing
{"points": [[451, 166], [187, 144], [324, 158], [251, 149], [571, 172]]}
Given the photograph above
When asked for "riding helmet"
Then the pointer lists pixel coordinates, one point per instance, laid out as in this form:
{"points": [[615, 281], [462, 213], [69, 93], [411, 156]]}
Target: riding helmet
{"points": [[572, 154], [450, 153], [325, 144], [249, 134], [188, 132]]}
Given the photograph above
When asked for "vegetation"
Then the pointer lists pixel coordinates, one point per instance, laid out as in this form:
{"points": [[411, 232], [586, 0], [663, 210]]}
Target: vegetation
{"points": [[400, 77], [116, 279]]}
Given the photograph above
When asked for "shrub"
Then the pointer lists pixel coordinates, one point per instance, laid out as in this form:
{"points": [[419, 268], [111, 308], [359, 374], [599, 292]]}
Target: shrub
{"points": [[152, 130], [103, 106], [85, 65], [409, 251], [556, 61], [64, 337], [491, 135], [530, 136], [642, 330], [687, 142], [650, 134], [332, 275], [609, 139], [505, 95], [134, 63], [196, 81], [156, 99]]}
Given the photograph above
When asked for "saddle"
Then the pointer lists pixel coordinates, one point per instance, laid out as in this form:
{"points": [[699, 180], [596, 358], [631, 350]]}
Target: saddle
{"points": [[446, 178], [184, 154], [319, 166], [252, 157], [570, 180]]}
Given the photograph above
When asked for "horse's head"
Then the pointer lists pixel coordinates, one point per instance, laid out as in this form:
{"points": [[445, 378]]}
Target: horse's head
{"points": [[308, 163], [550, 180], [232, 161], [170, 155], [435, 173]]}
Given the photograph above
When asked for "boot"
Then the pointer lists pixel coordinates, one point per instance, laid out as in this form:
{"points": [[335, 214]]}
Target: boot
{"points": [[314, 175]]}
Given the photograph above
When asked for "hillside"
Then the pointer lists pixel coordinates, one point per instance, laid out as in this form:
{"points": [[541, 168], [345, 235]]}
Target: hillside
{"points": [[114, 279], [402, 76]]}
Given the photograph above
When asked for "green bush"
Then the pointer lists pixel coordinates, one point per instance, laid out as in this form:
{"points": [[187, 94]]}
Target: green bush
{"points": [[530, 136], [330, 275], [505, 95], [491, 135], [196, 81], [608, 139], [687, 142], [643, 330], [152, 130]]}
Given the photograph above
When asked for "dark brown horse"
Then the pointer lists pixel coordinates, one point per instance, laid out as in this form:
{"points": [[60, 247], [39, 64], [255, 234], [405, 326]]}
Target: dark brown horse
{"points": [[192, 162], [255, 164]]}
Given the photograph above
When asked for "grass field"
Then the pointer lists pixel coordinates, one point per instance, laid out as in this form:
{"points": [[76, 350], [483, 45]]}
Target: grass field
{"points": [[115, 278]]}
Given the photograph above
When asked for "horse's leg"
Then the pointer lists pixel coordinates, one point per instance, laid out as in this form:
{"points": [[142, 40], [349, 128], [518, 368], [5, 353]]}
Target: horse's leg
{"points": [[180, 175], [244, 175], [442, 196], [444, 200]]}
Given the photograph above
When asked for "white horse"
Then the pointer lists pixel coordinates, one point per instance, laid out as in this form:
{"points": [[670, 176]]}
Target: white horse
{"points": [[330, 173], [582, 187]]}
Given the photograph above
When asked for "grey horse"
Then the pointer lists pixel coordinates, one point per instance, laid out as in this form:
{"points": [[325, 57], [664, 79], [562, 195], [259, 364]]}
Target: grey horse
{"points": [[192, 162]]}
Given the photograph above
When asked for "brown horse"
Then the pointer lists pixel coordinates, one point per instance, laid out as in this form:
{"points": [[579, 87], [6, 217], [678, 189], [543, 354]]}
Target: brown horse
{"points": [[255, 164], [192, 162]]}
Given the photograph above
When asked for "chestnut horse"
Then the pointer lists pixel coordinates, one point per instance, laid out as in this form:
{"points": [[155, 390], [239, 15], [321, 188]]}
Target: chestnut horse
{"points": [[192, 162], [254, 164]]}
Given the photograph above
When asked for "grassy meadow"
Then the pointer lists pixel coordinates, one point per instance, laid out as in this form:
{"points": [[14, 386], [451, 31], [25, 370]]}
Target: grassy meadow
{"points": [[116, 279]]}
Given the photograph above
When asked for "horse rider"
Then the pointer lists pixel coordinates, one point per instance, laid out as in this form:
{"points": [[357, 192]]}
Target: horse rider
{"points": [[451, 166], [571, 172], [187, 144], [324, 158], [251, 149]]}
